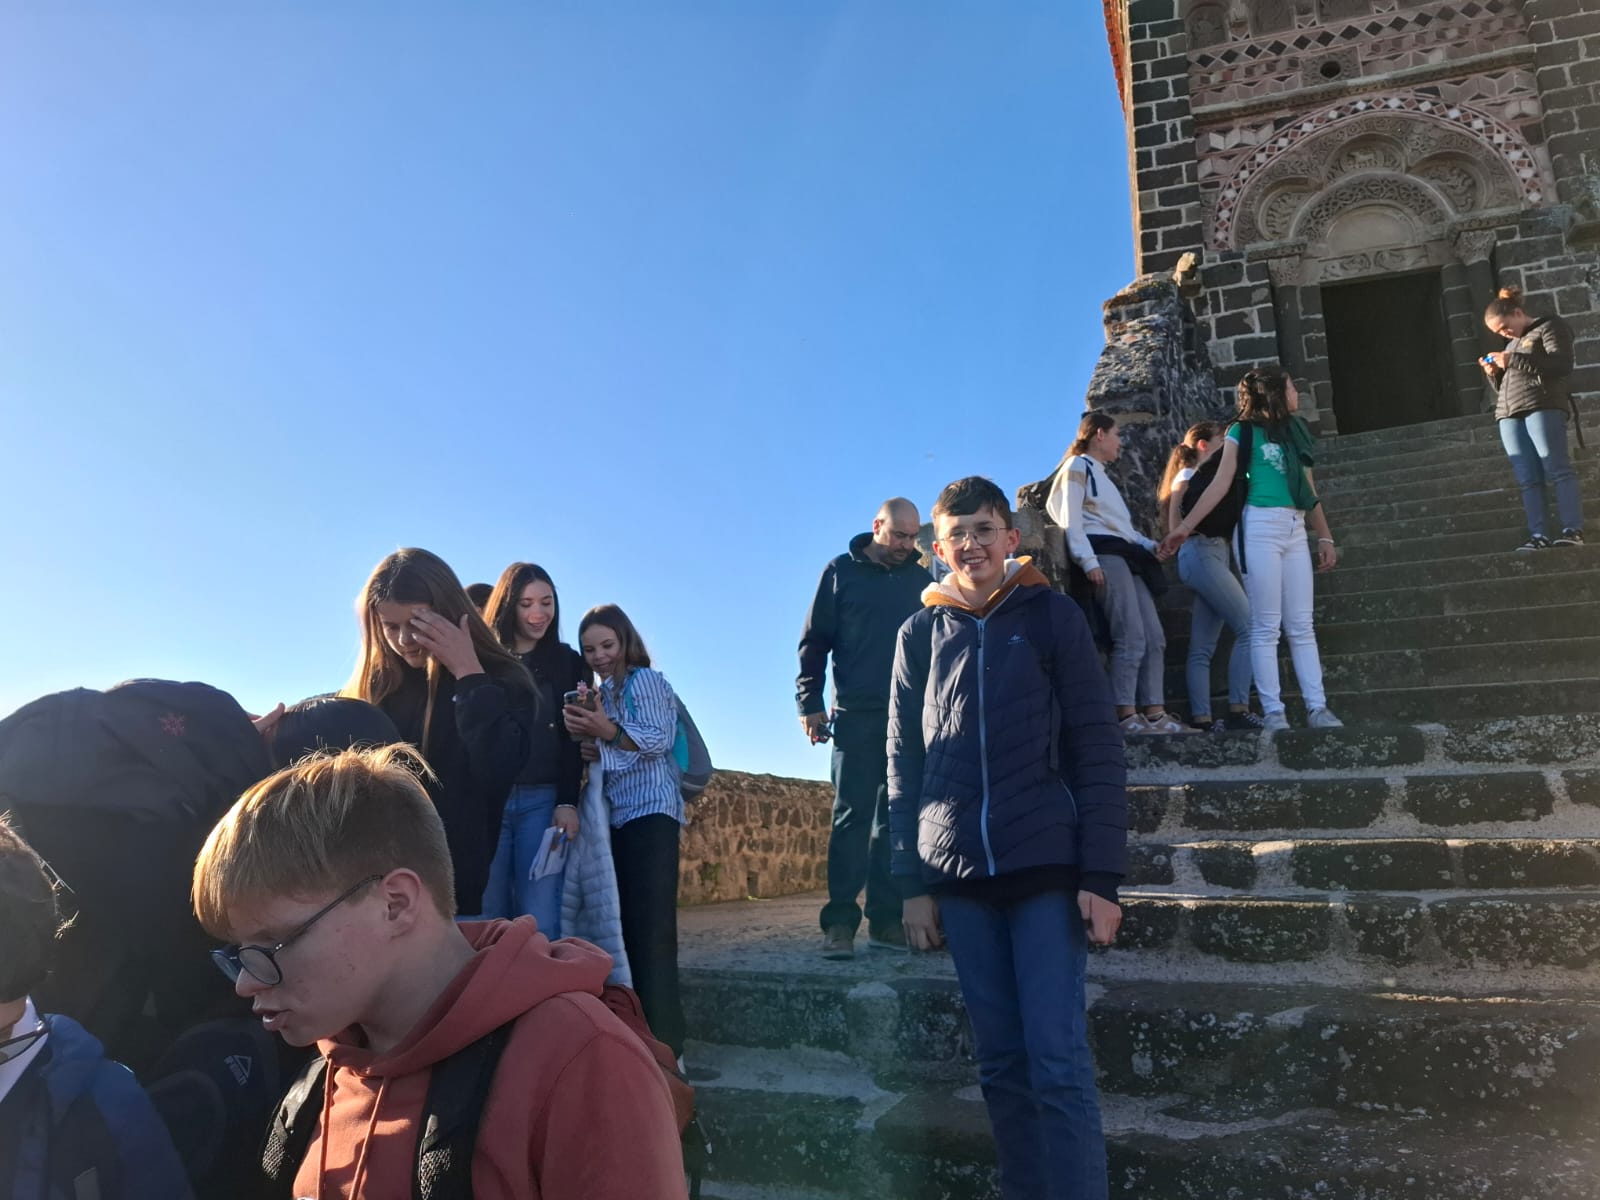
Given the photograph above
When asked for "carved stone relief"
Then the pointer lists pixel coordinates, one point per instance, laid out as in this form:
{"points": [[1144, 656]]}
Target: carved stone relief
{"points": [[1366, 154], [1207, 26], [1456, 179], [1394, 191], [1475, 246], [1273, 16], [1375, 262], [1276, 217]]}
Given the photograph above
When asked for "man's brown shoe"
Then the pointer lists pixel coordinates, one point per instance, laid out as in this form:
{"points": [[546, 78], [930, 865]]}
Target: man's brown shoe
{"points": [[888, 937], [838, 943]]}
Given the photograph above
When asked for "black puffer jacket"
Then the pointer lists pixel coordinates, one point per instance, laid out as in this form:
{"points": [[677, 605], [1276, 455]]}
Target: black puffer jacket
{"points": [[972, 789], [855, 615], [1538, 372]]}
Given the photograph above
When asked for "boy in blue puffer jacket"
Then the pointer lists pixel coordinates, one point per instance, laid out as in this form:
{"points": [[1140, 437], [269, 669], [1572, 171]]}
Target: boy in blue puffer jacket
{"points": [[73, 1124], [1008, 828]]}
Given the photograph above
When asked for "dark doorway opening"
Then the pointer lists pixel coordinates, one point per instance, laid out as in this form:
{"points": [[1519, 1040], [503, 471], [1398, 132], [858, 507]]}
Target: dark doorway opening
{"points": [[1389, 352]]}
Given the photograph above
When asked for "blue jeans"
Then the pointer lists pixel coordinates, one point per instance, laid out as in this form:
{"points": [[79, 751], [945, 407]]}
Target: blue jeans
{"points": [[510, 893], [1537, 447], [1205, 564], [1021, 967]]}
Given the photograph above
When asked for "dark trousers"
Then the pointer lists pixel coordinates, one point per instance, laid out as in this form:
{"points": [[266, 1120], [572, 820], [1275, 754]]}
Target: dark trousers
{"points": [[858, 847], [645, 852]]}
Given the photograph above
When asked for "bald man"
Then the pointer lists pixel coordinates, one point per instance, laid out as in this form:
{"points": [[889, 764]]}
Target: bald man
{"points": [[862, 599]]}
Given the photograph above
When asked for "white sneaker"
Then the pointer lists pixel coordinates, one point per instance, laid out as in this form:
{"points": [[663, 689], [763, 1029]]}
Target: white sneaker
{"points": [[1134, 725], [1274, 722], [1167, 723], [1321, 718]]}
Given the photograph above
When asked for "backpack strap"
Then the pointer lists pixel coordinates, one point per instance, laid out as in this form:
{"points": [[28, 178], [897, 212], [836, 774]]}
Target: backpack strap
{"points": [[1088, 476], [1241, 480], [289, 1135], [458, 1088]]}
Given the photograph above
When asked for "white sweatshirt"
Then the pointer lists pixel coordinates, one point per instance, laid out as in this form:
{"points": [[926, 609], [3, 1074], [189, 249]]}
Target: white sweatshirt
{"points": [[1083, 500]]}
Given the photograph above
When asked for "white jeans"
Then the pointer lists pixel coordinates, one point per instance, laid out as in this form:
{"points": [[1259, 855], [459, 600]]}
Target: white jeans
{"points": [[1277, 579]]}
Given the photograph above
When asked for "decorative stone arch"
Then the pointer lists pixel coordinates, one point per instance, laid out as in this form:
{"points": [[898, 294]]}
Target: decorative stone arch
{"points": [[1419, 213], [1414, 126]]}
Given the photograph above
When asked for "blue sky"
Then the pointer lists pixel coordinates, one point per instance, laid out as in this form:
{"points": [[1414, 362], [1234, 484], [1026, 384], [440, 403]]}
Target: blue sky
{"points": [[664, 296]]}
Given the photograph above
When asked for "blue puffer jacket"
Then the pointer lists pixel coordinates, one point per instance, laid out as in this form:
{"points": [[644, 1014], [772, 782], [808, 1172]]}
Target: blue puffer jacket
{"points": [[972, 790]]}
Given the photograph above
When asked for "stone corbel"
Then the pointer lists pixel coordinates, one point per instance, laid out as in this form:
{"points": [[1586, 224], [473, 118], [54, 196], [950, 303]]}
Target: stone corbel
{"points": [[1287, 271], [1474, 246]]}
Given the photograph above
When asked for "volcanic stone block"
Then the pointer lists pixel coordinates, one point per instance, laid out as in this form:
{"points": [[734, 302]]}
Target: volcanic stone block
{"points": [[771, 1011], [1225, 864], [1391, 928], [1337, 749], [1146, 808], [1148, 924], [1558, 931], [1286, 804], [1547, 739], [1530, 863], [1203, 753], [1372, 865], [1260, 930], [1583, 787], [1148, 865], [1468, 799], [780, 1137]]}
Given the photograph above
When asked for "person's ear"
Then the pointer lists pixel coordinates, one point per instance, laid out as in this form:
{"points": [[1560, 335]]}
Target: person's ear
{"points": [[1012, 539], [939, 553], [403, 897]]}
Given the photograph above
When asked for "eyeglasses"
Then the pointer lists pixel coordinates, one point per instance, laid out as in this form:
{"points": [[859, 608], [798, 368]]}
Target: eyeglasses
{"points": [[983, 535], [261, 962]]}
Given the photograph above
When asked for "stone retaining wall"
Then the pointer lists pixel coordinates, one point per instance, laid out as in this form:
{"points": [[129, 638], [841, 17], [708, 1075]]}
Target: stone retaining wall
{"points": [[755, 836]]}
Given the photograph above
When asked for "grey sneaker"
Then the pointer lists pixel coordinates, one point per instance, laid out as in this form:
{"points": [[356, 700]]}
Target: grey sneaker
{"points": [[1321, 718], [838, 943], [1274, 722]]}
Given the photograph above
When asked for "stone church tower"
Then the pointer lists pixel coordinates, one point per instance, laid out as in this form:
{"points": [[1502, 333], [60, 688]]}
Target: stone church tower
{"points": [[1358, 176]]}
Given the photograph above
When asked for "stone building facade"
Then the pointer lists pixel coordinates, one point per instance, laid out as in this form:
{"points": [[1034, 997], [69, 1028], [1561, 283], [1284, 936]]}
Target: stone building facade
{"points": [[1358, 176]]}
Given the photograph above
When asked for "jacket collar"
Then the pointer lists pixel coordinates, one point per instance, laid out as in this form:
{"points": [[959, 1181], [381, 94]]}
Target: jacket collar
{"points": [[1020, 572]]}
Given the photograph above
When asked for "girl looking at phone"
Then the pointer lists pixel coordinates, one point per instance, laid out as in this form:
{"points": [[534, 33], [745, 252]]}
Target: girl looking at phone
{"points": [[454, 692], [524, 612], [632, 734]]}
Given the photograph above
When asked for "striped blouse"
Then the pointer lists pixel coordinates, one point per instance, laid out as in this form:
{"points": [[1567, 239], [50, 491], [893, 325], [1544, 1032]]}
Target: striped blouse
{"points": [[642, 782]]}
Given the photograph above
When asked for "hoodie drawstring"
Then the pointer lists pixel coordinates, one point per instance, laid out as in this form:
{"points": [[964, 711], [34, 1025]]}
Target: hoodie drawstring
{"points": [[366, 1142]]}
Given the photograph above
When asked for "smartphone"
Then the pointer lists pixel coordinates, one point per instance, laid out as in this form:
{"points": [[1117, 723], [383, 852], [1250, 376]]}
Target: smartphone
{"points": [[572, 698]]}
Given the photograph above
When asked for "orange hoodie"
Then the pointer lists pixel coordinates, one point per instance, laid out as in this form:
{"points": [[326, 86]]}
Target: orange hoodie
{"points": [[578, 1109]]}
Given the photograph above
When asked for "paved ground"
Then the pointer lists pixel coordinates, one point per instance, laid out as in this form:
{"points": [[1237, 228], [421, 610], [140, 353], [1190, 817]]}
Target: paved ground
{"points": [[783, 935]]}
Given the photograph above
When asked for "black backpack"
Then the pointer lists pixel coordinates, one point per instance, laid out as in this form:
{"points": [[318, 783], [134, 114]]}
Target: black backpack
{"points": [[1221, 520]]}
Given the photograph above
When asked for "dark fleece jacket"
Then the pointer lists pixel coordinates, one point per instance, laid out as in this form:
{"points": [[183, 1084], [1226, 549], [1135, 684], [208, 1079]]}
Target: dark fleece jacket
{"points": [[972, 790], [1538, 371]]}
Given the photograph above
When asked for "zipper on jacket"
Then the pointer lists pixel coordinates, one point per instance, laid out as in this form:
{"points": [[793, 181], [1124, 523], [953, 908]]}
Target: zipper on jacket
{"points": [[983, 751]]}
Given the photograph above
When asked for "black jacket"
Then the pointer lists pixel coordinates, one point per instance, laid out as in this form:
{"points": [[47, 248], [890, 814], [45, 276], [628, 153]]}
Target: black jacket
{"points": [[855, 615], [477, 743], [1538, 372], [982, 782], [553, 755]]}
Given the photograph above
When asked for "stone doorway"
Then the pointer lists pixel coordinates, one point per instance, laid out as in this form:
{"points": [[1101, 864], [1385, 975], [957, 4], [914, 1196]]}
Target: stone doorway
{"points": [[1389, 352]]}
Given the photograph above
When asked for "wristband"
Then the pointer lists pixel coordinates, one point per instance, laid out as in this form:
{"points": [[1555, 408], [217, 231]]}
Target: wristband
{"points": [[573, 807], [616, 738], [1328, 540]]}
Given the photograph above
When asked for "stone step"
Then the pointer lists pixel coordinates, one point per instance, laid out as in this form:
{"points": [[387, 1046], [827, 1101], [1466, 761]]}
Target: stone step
{"points": [[1503, 519], [1477, 427], [1472, 568], [1433, 703], [1450, 545], [1481, 461], [1385, 864], [810, 1130], [1425, 453], [1433, 484], [1212, 1042], [1358, 511], [1505, 627], [1438, 666], [1238, 759], [1468, 941], [1488, 803]]}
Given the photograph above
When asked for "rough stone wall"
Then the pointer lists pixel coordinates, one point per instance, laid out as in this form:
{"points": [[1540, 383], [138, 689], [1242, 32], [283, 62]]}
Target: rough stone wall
{"points": [[755, 836], [1155, 376]]}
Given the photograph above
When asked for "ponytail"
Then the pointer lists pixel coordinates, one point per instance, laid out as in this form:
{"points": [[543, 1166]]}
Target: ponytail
{"points": [[1185, 454], [1092, 423], [1507, 303]]}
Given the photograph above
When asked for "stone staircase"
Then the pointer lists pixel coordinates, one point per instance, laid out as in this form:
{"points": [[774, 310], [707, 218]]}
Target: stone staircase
{"points": [[1358, 964]]}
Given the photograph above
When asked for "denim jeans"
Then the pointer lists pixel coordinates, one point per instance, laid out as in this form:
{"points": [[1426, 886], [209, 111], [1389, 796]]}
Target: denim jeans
{"points": [[1537, 447], [1277, 580], [1138, 643], [645, 851], [858, 846], [1021, 966], [510, 893], [1205, 564]]}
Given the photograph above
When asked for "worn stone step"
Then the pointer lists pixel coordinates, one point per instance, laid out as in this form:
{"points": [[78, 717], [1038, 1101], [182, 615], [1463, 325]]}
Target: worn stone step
{"points": [[1363, 511], [1453, 545], [1479, 428], [1504, 519], [1572, 582], [1214, 1043], [1472, 568], [1430, 484], [1500, 627], [1437, 666], [1439, 702], [1443, 804], [1386, 864], [1238, 758], [1424, 453], [840, 1137], [1364, 934], [1476, 461]]}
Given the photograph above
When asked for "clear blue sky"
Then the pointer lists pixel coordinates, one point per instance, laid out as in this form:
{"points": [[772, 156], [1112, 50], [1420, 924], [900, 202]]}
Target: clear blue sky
{"points": [[666, 296]]}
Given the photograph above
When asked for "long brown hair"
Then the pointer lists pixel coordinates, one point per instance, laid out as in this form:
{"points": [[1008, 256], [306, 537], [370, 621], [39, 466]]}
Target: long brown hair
{"points": [[1264, 399], [1092, 423], [413, 576], [1185, 454], [634, 655], [1507, 303]]}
